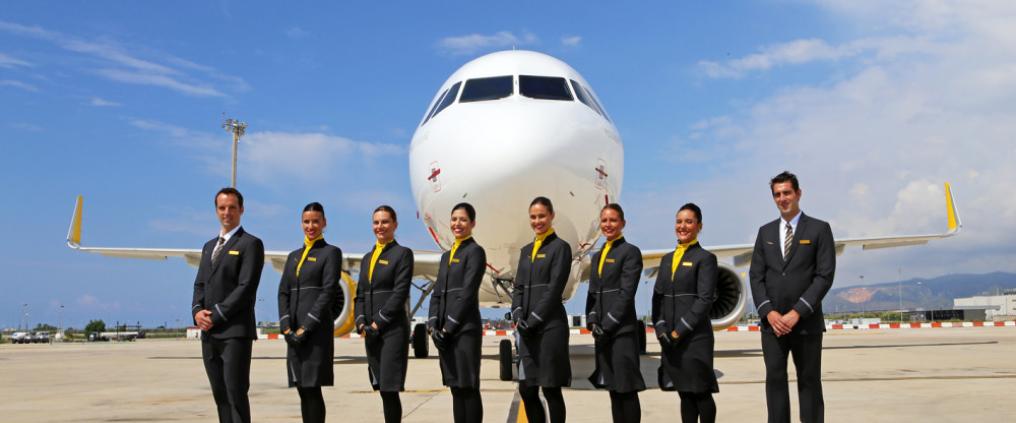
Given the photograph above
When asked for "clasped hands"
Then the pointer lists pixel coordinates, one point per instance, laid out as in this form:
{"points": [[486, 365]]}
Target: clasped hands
{"points": [[203, 319], [368, 330], [295, 338], [783, 323]]}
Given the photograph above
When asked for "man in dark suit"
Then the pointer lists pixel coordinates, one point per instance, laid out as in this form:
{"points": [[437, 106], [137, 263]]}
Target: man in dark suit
{"points": [[791, 270], [225, 290]]}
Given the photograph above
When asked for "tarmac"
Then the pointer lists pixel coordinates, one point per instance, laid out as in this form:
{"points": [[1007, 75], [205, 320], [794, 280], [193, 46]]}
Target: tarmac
{"points": [[936, 375]]}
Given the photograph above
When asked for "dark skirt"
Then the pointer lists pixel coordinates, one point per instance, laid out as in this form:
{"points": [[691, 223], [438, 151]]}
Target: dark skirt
{"points": [[387, 358], [310, 364], [688, 366], [617, 364], [544, 359], [460, 360]]}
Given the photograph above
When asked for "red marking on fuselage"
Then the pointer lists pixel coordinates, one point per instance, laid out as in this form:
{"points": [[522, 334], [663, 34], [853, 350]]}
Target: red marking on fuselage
{"points": [[433, 174], [434, 235], [602, 171]]}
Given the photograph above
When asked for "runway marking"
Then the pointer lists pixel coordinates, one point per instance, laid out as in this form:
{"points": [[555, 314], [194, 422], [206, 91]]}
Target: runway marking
{"points": [[410, 413]]}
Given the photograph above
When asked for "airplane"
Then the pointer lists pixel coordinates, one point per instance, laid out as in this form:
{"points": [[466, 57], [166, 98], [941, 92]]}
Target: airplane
{"points": [[502, 129]]}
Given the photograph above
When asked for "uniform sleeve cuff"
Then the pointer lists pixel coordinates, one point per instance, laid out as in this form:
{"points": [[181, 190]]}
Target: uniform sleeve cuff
{"points": [[764, 309], [803, 308]]}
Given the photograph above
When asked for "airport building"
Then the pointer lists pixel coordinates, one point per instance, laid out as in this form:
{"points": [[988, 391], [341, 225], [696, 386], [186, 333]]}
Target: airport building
{"points": [[1000, 306]]}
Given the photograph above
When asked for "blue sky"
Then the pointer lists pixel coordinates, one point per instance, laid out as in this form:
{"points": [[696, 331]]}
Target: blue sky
{"points": [[873, 105]]}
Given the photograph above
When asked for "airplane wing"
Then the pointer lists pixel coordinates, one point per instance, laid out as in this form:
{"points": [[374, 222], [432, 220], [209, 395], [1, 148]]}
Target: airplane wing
{"points": [[425, 262], [741, 254]]}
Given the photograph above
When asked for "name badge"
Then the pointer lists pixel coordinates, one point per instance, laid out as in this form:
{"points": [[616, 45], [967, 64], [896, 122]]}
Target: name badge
{"points": [[805, 241], [610, 260], [234, 252], [311, 258], [686, 264], [455, 260], [541, 256], [384, 262]]}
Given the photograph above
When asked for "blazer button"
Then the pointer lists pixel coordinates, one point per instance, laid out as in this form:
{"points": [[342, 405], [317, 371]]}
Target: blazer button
{"points": [[784, 273]]}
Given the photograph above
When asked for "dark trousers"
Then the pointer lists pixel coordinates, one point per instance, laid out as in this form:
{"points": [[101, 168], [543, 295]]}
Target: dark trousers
{"points": [[807, 354], [227, 362]]}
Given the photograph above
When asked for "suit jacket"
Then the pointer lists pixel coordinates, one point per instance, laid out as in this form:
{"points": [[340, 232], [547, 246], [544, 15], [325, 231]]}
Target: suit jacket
{"points": [[382, 300], [307, 300], [799, 282], [229, 288], [611, 299], [539, 284], [683, 302], [454, 304]]}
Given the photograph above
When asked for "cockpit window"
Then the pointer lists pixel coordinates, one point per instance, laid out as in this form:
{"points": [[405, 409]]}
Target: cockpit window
{"points": [[448, 98], [483, 89], [544, 87], [586, 98], [430, 114]]}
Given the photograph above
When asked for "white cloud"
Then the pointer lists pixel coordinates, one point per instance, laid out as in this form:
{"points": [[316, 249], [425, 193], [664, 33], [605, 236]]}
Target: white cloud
{"points": [[804, 51], [118, 64], [297, 33], [18, 84], [873, 144], [473, 43], [571, 41], [12, 62], [101, 102]]}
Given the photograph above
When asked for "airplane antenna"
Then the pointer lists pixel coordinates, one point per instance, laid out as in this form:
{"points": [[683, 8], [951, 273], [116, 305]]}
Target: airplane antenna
{"points": [[236, 128]]}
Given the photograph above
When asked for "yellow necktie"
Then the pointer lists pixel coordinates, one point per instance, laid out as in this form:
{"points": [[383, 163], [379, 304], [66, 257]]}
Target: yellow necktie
{"points": [[455, 247], [678, 255], [307, 243], [603, 256], [539, 243], [378, 247]]}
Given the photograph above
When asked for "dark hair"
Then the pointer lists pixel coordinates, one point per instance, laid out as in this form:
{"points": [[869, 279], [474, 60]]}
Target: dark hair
{"points": [[785, 176], [229, 191], [470, 211], [694, 209], [615, 207], [543, 201], [387, 209], [316, 207]]}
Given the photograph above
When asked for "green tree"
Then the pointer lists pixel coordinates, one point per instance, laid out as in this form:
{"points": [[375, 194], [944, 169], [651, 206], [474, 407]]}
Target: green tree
{"points": [[43, 327], [95, 326]]}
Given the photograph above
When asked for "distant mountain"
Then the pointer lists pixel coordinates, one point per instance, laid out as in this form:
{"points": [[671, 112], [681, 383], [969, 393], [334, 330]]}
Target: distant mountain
{"points": [[918, 293]]}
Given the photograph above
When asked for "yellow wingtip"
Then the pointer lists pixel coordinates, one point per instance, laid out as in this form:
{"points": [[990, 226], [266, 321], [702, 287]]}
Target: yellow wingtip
{"points": [[950, 209], [74, 234]]}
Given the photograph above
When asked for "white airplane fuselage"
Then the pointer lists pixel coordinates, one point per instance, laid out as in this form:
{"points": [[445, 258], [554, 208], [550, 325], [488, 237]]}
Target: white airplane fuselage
{"points": [[499, 154]]}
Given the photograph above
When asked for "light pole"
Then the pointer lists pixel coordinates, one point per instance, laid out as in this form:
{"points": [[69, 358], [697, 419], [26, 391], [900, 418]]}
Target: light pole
{"points": [[899, 285], [60, 329], [24, 316], [236, 128]]}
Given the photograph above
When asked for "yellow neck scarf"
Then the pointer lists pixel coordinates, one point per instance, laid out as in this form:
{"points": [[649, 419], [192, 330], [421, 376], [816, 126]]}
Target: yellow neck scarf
{"points": [[455, 247], [678, 254], [539, 242], [378, 247], [603, 255], [307, 243]]}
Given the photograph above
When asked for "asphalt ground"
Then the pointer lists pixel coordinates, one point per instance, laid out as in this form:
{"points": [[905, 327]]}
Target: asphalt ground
{"points": [[936, 375]]}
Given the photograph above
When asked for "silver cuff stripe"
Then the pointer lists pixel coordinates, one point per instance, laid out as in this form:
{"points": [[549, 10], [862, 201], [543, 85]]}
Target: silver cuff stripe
{"points": [[432, 318], [661, 322], [306, 287], [763, 303], [611, 316], [452, 319], [592, 313], [220, 312], [809, 305], [380, 291], [382, 316], [196, 306], [453, 289], [537, 316], [607, 291], [685, 323], [313, 317], [283, 317], [360, 318], [679, 295]]}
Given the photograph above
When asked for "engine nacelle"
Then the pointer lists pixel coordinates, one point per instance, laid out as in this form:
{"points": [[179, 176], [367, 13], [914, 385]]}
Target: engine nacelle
{"points": [[731, 299], [347, 291]]}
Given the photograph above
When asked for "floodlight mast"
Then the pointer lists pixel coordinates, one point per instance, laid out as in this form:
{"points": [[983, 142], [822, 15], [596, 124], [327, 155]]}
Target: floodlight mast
{"points": [[236, 128]]}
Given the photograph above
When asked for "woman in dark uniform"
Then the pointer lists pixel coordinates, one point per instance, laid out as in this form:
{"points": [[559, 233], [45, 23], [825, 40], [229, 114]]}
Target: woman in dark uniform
{"points": [[540, 319], [306, 296], [610, 315], [381, 315], [684, 293], [454, 321]]}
